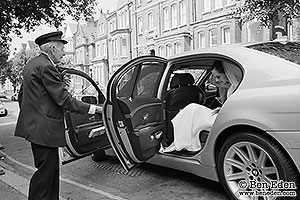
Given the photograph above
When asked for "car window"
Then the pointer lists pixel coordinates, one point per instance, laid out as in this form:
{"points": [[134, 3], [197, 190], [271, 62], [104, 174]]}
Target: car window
{"points": [[286, 50], [124, 81], [146, 84], [140, 80], [198, 74], [79, 87]]}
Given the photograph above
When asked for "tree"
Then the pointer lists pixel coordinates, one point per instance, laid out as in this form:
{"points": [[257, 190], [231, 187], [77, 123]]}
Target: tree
{"points": [[26, 14], [267, 12], [4, 53], [15, 67]]}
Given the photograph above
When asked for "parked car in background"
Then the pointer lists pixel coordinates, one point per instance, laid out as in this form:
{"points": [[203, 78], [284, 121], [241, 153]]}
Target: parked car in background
{"points": [[3, 110], [254, 139]]}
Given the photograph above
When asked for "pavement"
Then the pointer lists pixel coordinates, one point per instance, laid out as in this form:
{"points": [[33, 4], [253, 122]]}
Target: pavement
{"points": [[12, 186]]}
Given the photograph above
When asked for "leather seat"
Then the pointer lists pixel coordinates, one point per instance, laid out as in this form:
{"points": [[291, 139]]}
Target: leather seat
{"points": [[182, 92]]}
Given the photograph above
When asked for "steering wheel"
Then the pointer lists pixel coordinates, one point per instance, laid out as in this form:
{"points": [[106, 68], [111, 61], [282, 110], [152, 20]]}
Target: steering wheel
{"points": [[202, 96]]}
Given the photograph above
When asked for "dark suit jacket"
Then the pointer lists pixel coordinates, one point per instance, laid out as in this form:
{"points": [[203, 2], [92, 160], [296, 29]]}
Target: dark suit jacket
{"points": [[41, 118]]}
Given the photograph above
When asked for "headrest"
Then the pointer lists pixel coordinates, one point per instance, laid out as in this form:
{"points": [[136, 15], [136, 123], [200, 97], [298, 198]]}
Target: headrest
{"points": [[179, 80]]}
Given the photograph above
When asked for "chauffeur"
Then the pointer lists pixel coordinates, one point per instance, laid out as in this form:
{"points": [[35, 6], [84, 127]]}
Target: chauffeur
{"points": [[41, 118]]}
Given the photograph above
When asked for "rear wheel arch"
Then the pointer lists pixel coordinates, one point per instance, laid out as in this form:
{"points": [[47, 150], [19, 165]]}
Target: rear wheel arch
{"points": [[287, 164], [242, 128]]}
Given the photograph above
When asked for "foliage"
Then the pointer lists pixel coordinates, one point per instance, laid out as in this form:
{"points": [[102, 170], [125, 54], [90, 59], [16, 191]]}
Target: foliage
{"points": [[17, 64], [4, 53], [26, 14], [266, 11]]}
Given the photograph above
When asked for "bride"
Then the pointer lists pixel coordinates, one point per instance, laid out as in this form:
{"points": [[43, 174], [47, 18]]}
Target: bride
{"points": [[194, 118]]}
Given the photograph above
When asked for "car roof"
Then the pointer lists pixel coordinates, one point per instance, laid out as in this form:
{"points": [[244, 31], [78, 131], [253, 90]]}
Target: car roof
{"points": [[256, 65]]}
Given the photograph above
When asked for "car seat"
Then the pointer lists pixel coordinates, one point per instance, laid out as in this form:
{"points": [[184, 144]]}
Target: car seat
{"points": [[182, 92]]}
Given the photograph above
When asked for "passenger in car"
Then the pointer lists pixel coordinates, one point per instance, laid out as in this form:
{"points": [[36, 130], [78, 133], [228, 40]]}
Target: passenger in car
{"points": [[194, 118]]}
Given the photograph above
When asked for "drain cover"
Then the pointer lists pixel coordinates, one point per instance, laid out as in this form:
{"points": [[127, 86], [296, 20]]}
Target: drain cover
{"points": [[112, 164]]}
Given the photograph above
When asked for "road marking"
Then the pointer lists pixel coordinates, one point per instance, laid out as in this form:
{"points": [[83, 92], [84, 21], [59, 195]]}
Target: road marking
{"points": [[8, 123], [106, 194]]}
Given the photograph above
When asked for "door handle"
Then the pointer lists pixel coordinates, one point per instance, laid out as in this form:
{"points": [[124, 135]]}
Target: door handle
{"points": [[92, 118], [97, 131], [156, 135]]}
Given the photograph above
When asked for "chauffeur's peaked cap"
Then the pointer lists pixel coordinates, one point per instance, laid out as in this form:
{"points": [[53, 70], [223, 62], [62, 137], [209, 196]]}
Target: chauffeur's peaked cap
{"points": [[53, 36]]}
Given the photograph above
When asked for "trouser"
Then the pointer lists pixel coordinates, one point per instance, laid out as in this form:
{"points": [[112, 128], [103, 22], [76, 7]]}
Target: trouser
{"points": [[44, 184]]}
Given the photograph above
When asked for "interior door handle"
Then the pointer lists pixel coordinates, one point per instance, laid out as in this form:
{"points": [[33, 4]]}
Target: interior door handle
{"points": [[97, 131], [156, 135], [92, 118]]}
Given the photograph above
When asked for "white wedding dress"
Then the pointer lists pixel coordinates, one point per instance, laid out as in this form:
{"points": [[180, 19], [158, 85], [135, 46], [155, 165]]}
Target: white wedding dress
{"points": [[188, 123]]}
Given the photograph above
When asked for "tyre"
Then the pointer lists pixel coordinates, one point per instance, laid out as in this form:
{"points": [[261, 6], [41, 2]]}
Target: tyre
{"points": [[99, 156], [250, 162]]}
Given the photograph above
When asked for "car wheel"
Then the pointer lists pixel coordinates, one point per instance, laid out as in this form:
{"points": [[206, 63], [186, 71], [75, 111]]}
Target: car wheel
{"points": [[248, 158], [99, 156], [5, 112]]}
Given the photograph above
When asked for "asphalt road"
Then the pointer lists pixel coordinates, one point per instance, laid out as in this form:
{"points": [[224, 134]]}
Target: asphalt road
{"points": [[88, 180]]}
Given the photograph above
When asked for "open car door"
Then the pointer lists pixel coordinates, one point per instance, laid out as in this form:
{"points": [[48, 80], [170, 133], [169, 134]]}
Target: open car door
{"points": [[133, 115], [85, 133]]}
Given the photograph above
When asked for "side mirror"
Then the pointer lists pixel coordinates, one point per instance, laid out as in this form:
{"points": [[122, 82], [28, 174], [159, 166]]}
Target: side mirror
{"points": [[89, 99]]}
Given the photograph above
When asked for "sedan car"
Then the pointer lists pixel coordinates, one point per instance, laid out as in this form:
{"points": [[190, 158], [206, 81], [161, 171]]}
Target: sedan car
{"points": [[3, 110], [253, 146]]}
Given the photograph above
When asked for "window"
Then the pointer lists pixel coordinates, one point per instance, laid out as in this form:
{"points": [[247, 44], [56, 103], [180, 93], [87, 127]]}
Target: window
{"points": [[218, 4], [140, 81], [104, 48], [146, 83], [213, 36], [226, 35], [182, 14], [174, 21], [114, 47], [126, 18], [201, 37], [166, 21], [120, 21], [102, 28], [168, 50], [150, 21], [112, 26], [207, 5], [123, 20], [98, 50], [124, 86], [91, 56], [177, 48], [123, 46], [161, 51], [230, 2], [140, 25]]}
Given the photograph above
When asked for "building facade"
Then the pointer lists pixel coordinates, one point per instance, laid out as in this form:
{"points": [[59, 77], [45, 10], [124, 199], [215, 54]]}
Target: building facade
{"points": [[159, 27]]}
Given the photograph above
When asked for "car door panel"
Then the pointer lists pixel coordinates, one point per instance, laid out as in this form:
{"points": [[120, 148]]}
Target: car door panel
{"points": [[144, 124], [133, 113], [85, 133], [79, 129]]}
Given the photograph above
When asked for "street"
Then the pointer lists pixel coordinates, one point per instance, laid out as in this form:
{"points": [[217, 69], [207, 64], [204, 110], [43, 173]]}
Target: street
{"points": [[85, 179]]}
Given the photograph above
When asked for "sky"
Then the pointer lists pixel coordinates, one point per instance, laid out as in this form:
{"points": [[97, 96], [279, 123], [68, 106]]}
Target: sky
{"points": [[17, 41]]}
